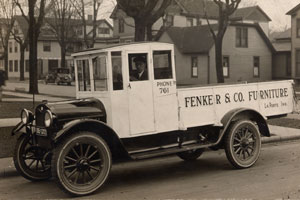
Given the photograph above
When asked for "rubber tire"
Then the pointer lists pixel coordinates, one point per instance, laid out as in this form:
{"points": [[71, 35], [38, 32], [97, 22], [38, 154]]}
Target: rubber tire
{"points": [[190, 155], [20, 165], [229, 138], [63, 149]]}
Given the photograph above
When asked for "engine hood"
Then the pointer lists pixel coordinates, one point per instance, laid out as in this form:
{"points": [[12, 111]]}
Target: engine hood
{"points": [[73, 109]]}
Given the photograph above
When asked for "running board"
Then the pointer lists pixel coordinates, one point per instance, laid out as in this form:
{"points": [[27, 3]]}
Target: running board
{"points": [[166, 151]]}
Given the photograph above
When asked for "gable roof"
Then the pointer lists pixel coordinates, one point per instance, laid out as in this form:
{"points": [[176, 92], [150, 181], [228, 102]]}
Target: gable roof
{"points": [[198, 39], [195, 39], [248, 12], [293, 10], [196, 8]]}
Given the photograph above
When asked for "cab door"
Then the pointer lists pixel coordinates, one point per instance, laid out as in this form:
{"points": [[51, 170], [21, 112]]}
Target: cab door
{"points": [[140, 94]]}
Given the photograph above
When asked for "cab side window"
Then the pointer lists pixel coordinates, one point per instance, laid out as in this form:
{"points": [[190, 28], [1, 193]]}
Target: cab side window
{"points": [[138, 67], [162, 65], [83, 75], [116, 63]]}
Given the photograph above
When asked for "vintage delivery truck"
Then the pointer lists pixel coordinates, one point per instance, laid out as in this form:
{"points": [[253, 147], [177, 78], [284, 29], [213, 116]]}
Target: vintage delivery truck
{"points": [[128, 106]]}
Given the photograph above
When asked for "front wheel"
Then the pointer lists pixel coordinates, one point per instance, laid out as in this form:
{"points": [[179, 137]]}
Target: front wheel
{"points": [[242, 144], [81, 163], [190, 155], [31, 161]]}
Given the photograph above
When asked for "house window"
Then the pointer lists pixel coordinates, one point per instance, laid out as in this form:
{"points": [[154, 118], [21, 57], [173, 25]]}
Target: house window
{"points": [[256, 66], [10, 47], [226, 66], [102, 30], [194, 62], [121, 25], [16, 47], [169, 20], [298, 28], [26, 65], [47, 46], [16, 65], [189, 22], [242, 37], [10, 66], [298, 63], [288, 65]]}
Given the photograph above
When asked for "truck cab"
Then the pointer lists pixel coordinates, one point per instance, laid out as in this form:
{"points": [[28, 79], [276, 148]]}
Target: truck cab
{"points": [[134, 107]]}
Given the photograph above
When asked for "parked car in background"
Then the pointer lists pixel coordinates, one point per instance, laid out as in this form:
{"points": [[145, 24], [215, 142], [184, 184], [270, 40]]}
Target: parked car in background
{"points": [[59, 76]]}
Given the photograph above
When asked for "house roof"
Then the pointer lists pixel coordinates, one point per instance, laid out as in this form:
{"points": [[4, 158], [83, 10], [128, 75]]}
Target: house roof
{"points": [[46, 33], [198, 7], [195, 39], [198, 39], [293, 10], [247, 13]]}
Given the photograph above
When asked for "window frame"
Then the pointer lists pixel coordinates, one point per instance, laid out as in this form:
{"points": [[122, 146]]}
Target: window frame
{"points": [[298, 27], [194, 58], [240, 34], [16, 66], [47, 48], [121, 25], [10, 66], [228, 66], [254, 62], [103, 30], [168, 69]]}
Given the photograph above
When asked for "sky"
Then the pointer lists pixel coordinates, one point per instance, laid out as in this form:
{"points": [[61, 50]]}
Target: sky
{"points": [[275, 9]]}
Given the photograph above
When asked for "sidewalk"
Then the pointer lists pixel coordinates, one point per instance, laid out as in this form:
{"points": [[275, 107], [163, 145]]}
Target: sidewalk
{"points": [[279, 134]]}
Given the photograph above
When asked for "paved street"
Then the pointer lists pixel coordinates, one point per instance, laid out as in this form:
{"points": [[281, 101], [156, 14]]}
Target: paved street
{"points": [[275, 176]]}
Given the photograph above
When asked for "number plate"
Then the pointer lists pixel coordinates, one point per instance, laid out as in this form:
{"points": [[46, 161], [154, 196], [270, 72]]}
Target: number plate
{"points": [[41, 131]]}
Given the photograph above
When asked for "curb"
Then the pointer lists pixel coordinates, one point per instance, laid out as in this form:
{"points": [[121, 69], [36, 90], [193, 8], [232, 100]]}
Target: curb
{"points": [[11, 171]]}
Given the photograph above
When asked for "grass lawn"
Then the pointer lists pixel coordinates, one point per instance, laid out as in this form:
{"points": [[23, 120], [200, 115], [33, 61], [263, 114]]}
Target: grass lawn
{"points": [[13, 109]]}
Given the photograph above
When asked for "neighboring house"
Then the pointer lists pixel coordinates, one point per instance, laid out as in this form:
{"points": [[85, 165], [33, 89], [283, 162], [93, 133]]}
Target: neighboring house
{"points": [[247, 54], [49, 51], [282, 67], [3, 32], [295, 38], [186, 13]]}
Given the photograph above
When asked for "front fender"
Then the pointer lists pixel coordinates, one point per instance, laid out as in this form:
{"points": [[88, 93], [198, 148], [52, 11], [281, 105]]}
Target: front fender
{"points": [[19, 128]]}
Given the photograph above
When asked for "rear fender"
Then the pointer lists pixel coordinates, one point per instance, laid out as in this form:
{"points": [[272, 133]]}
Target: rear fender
{"points": [[107, 133], [245, 113]]}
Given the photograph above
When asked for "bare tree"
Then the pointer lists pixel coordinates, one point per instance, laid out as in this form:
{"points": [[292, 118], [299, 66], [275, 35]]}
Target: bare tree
{"points": [[144, 13], [62, 24], [7, 9], [35, 17], [22, 40], [89, 36], [226, 9]]}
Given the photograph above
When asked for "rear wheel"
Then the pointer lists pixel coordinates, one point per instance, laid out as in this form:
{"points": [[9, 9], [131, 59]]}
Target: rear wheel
{"points": [[190, 155], [31, 161], [81, 163], [242, 144]]}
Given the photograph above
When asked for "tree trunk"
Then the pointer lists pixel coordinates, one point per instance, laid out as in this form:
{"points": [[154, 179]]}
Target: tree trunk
{"points": [[218, 60], [63, 56], [6, 64], [22, 55], [139, 30]]}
